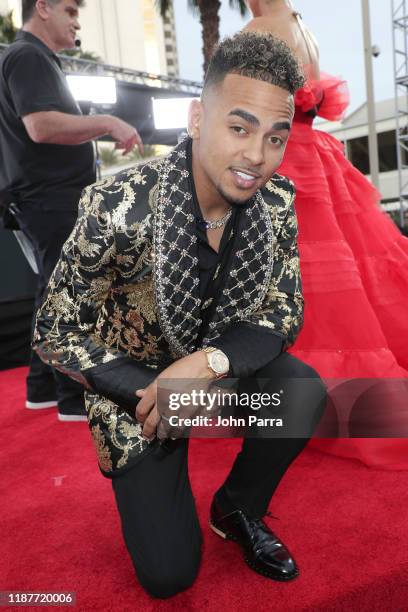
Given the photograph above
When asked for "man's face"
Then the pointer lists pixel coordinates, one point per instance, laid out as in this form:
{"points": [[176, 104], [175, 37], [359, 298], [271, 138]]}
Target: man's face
{"points": [[62, 23], [239, 131]]}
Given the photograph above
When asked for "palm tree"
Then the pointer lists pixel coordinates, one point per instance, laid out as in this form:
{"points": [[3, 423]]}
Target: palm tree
{"points": [[8, 30], [208, 11]]}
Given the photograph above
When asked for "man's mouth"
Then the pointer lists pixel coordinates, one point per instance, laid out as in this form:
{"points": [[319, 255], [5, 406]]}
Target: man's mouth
{"points": [[244, 178]]}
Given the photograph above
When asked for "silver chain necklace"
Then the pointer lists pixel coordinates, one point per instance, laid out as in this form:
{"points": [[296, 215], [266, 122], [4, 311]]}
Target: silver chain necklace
{"points": [[218, 222]]}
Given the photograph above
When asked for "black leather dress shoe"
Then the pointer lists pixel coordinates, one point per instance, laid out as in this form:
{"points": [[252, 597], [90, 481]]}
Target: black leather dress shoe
{"points": [[263, 551]]}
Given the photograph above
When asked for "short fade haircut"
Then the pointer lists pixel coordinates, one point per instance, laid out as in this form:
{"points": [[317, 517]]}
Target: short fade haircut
{"points": [[29, 5], [257, 55]]}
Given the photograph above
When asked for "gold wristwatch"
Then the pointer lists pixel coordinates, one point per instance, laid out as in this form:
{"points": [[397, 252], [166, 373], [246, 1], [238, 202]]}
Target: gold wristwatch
{"points": [[218, 362]]}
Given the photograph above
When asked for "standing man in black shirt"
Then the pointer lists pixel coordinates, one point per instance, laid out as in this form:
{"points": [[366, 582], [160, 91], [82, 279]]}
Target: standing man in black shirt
{"points": [[47, 158]]}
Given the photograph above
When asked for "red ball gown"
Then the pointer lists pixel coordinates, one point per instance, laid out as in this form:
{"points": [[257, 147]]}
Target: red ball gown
{"points": [[354, 264]]}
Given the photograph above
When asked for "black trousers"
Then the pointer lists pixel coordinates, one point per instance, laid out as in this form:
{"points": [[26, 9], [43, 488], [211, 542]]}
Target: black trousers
{"points": [[47, 231], [156, 504]]}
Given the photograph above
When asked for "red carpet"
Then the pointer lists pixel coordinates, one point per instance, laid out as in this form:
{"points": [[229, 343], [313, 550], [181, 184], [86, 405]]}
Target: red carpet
{"points": [[345, 524]]}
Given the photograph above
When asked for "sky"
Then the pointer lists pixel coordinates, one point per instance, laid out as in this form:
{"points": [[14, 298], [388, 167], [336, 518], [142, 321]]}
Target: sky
{"points": [[337, 27]]}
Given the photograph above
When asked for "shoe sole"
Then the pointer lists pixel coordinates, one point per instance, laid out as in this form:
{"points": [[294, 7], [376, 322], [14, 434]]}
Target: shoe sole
{"points": [[65, 418], [226, 536], [219, 532], [39, 405]]}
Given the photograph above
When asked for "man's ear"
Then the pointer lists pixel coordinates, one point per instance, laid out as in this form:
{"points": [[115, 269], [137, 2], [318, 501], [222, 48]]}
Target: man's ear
{"points": [[43, 9], [195, 113]]}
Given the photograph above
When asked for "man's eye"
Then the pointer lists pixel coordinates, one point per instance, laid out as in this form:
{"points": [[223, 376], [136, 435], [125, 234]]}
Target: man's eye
{"points": [[238, 129], [275, 140]]}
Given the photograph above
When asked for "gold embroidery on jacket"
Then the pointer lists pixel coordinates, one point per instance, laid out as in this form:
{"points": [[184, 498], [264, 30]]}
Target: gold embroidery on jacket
{"points": [[117, 437], [103, 452]]}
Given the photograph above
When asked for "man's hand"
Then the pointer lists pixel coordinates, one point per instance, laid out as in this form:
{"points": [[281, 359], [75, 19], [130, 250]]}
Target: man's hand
{"points": [[126, 135], [193, 366], [146, 410]]}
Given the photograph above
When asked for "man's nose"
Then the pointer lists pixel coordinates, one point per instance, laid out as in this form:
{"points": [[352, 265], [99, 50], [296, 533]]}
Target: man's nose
{"points": [[254, 152], [77, 25]]}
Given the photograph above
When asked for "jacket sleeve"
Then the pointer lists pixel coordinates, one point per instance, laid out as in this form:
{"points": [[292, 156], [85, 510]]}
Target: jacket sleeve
{"points": [[64, 335], [248, 347], [282, 310]]}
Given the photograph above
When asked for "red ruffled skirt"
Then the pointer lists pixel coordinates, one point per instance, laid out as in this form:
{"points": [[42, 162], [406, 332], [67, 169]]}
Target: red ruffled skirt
{"points": [[354, 264]]}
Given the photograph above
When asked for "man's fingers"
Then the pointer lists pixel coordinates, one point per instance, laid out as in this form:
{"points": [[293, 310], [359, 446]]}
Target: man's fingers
{"points": [[130, 143], [127, 147], [150, 425], [127, 144], [144, 407], [139, 143]]}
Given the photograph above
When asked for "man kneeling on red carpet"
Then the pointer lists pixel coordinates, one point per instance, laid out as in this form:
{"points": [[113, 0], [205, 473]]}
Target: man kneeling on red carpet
{"points": [[187, 268]]}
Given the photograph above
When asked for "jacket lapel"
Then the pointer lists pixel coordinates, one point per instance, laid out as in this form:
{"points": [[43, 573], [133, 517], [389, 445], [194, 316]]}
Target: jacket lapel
{"points": [[176, 273]]}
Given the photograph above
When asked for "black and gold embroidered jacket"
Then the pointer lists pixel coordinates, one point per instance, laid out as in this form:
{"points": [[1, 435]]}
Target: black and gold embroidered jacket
{"points": [[125, 291]]}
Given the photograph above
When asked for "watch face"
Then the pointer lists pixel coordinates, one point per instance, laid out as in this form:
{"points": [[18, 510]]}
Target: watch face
{"points": [[219, 362]]}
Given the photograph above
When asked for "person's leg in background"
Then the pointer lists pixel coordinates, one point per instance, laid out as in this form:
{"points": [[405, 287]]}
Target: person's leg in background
{"points": [[48, 230], [159, 519]]}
